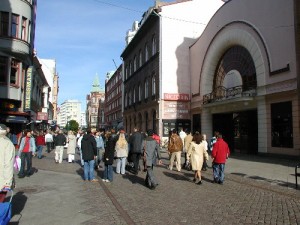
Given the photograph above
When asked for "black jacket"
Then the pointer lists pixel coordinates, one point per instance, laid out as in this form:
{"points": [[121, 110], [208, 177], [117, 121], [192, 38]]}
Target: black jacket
{"points": [[135, 142], [110, 150], [60, 140], [88, 147]]}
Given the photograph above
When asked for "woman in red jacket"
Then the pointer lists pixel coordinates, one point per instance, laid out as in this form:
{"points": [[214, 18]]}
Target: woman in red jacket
{"points": [[219, 154], [40, 143]]}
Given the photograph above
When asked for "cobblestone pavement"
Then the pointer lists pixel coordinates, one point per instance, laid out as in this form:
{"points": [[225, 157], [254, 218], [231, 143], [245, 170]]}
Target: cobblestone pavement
{"points": [[56, 194]]}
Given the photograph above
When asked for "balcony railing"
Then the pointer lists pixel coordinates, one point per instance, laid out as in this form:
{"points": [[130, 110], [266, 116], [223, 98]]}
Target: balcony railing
{"points": [[221, 93]]}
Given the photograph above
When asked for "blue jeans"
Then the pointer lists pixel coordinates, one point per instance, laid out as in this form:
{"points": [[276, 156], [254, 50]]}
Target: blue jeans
{"points": [[28, 157], [39, 151], [218, 170], [89, 169], [121, 162], [108, 173]]}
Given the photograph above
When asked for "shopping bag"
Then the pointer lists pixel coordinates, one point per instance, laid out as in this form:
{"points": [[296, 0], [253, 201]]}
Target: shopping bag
{"points": [[17, 163]]}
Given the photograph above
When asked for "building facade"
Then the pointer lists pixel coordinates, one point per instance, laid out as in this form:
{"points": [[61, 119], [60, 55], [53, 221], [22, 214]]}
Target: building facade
{"points": [[113, 100], [156, 65], [17, 31], [69, 110], [245, 76], [94, 100]]}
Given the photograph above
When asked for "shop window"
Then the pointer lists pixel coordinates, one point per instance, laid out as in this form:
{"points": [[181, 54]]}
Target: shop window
{"points": [[282, 124]]}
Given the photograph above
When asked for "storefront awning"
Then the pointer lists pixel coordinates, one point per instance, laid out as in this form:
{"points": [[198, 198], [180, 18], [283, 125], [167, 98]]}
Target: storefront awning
{"points": [[16, 119]]}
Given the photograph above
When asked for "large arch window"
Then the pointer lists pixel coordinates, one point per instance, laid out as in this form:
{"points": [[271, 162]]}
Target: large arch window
{"points": [[236, 60]]}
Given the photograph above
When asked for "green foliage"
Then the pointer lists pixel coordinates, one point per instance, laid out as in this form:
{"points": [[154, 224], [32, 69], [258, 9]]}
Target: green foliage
{"points": [[73, 125]]}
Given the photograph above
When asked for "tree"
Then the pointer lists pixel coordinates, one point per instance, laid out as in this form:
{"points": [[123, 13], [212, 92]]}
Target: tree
{"points": [[73, 125]]}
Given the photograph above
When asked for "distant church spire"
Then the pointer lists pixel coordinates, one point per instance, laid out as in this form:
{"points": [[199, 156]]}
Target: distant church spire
{"points": [[96, 85]]}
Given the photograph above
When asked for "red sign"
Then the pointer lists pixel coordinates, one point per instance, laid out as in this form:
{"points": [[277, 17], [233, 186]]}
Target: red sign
{"points": [[176, 97], [42, 116]]}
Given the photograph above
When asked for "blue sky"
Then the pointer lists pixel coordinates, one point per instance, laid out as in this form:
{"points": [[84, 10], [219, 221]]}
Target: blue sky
{"points": [[84, 37]]}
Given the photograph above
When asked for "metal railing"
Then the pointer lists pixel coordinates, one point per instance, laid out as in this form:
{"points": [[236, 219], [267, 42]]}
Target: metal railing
{"points": [[222, 93]]}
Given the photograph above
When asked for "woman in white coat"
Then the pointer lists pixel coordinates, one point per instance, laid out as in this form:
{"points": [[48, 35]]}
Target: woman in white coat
{"points": [[71, 139], [121, 153], [196, 155]]}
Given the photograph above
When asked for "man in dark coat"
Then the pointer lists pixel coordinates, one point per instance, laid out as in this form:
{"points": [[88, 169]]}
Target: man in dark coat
{"points": [[135, 142], [151, 153], [89, 154]]}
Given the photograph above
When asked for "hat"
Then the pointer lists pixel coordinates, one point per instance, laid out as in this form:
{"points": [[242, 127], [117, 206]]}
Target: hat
{"points": [[122, 131], [3, 126], [150, 132]]}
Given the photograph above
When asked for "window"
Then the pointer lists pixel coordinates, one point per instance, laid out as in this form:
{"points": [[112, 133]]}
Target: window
{"points": [[134, 93], [140, 58], [153, 86], [146, 53], [4, 20], [130, 68], [125, 100], [146, 88], [3, 69], [282, 124], [153, 45], [126, 72], [14, 25], [14, 72], [134, 64], [140, 92], [23, 32], [129, 98]]}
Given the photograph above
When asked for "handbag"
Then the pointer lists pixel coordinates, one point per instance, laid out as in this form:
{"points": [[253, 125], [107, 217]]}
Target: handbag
{"points": [[17, 163]]}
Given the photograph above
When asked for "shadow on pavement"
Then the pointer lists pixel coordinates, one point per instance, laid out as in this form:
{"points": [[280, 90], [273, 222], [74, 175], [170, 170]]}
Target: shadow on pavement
{"points": [[18, 203], [134, 179], [176, 176]]}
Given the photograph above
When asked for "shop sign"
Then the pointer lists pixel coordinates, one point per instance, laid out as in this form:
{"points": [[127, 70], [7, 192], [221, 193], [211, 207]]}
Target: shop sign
{"points": [[28, 89], [42, 116], [176, 97], [176, 110]]}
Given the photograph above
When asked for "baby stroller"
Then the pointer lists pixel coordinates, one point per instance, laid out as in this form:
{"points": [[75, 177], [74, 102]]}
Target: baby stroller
{"points": [[5, 210]]}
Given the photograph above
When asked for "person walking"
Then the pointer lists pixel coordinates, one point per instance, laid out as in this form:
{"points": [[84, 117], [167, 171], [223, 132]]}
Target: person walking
{"points": [[49, 140], [121, 153], [60, 141], [7, 155], [174, 149], [89, 154], [100, 148], [81, 133], [204, 167], [40, 143], [109, 155], [196, 155], [71, 139], [135, 142], [220, 154], [187, 141], [151, 153], [26, 151]]}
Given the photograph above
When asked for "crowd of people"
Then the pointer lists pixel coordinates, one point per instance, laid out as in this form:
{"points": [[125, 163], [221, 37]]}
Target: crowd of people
{"points": [[97, 147]]}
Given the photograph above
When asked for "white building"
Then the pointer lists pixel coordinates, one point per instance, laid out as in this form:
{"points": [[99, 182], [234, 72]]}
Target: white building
{"points": [[69, 110], [83, 123]]}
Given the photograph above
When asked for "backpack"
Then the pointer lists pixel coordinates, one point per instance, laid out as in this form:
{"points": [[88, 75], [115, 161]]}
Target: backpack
{"points": [[175, 144]]}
